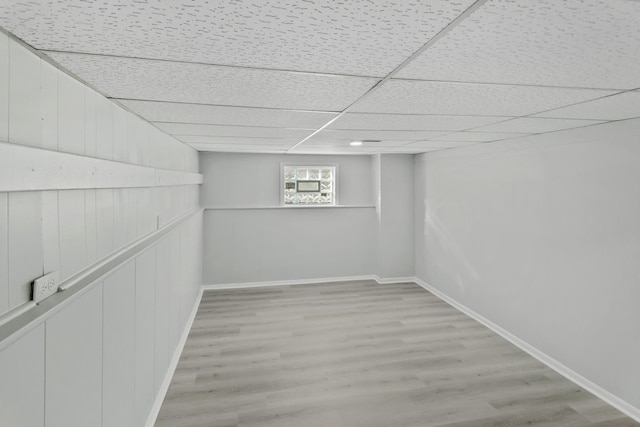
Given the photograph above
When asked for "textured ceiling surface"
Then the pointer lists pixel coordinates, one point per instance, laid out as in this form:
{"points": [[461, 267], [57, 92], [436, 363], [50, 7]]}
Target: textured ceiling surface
{"points": [[211, 84], [345, 37], [587, 43], [310, 76]]}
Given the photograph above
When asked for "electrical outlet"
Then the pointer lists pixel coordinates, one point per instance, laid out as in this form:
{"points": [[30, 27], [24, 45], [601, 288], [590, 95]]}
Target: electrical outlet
{"points": [[45, 286]]}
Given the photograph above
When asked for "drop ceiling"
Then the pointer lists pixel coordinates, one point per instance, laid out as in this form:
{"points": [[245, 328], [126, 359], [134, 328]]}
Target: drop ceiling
{"points": [[311, 76]]}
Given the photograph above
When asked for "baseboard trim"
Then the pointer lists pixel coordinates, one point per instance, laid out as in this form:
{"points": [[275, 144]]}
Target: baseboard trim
{"points": [[162, 392], [285, 282], [391, 280], [618, 403]]}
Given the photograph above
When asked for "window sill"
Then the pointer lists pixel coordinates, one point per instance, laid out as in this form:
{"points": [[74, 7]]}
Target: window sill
{"points": [[222, 208]]}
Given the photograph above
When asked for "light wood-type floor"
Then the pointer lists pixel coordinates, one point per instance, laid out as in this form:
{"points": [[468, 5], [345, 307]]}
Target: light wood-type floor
{"points": [[361, 354]]}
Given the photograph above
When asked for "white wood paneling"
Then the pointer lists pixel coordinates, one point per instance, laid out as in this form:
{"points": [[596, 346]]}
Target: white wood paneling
{"points": [[73, 247], [143, 145], [25, 245], [74, 363], [71, 117], [163, 351], [50, 231], [133, 138], [27, 168], [104, 127], [175, 326], [145, 335], [4, 87], [90, 121], [132, 214], [91, 225], [119, 347], [4, 253], [49, 78], [104, 221], [147, 212], [193, 160], [120, 151], [120, 217], [23, 380], [157, 152], [24, 96]]}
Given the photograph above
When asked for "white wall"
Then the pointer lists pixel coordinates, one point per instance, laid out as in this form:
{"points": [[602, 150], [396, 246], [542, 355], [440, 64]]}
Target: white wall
{"points": [[393, 176], [100, 359], [249, 238], [542, 238], [74, 365], [61, 228]]}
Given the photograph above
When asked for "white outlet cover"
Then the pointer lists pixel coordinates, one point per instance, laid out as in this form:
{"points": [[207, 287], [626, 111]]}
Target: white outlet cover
{"points": [[45, 286]]}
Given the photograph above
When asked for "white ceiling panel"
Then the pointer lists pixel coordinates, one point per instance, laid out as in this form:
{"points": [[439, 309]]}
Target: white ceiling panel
{"points": [[584, 43], [246, 148], [358, 135], [442, 144], [326, 149], [242, 131], [419, 97], [478, 136], [350, 37], [412, 122], [234, 140], [536, 125], [618, 132], [617, 107], [206, 84], [234, 116], [346, 143], [411, 150]]}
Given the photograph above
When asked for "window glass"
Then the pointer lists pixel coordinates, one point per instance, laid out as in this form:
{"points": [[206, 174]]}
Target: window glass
{"points": [[308, 185]]}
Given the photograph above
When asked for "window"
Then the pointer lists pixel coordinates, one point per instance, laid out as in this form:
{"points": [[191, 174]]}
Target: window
{"points": [[308, 185]]}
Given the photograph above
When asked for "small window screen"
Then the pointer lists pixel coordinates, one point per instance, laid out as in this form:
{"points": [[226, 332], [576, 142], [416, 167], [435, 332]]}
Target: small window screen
{"points": [[309, 185]]}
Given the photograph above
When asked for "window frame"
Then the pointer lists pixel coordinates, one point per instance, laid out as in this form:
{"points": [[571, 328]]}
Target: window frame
{"points": [[318, 165]]}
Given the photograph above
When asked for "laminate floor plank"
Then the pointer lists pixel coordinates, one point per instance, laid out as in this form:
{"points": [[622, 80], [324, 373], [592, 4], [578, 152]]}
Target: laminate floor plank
{"points": [[361, 354]]}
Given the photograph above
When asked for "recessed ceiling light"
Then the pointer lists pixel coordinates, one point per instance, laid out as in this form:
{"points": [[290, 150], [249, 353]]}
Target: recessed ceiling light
{"points": [[355, 143]]}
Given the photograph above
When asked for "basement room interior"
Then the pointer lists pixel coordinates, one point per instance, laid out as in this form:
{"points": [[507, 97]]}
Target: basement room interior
{"points": [[319, 213]]}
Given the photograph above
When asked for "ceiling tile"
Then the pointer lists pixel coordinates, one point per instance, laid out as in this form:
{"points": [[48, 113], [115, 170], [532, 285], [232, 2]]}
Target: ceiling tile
{"points": [[617, 107], [442, 144], [478, 136], [536, 125], [419, 97], [322, 149], [358, 135], [615, 132], [353, 37], [584, 43], [230, 148], [242, 131], [345, 142], [231, 140], [411, 150], [218, 115], [412, 122], [207, 84]]}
